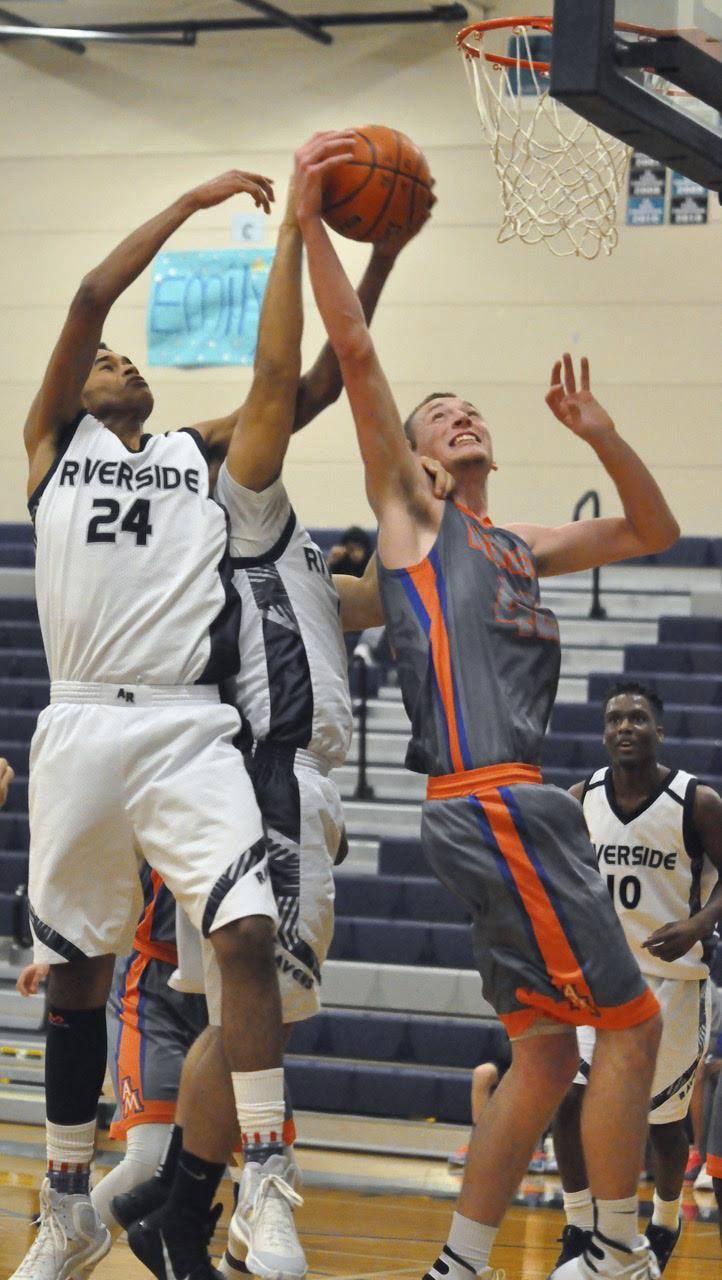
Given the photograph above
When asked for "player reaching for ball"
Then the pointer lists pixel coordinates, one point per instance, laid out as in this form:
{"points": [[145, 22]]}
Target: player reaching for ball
{"points": [[479, 663]]}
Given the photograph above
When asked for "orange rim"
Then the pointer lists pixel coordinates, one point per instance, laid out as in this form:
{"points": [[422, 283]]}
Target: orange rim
{"points": [[477, 30]]}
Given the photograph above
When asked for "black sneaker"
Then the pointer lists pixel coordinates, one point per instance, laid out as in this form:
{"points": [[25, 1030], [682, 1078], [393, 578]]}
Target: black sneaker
{"points": [[138, 1203], [662, 1242], [150, 1246], [573, 1241]]}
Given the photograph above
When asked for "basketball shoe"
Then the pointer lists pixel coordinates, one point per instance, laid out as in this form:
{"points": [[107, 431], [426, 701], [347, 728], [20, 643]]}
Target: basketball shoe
{"points": [[573, 1241], [262, 1226], [171, 1258], [662, 1242], [614, 1264], [70, 1240]]}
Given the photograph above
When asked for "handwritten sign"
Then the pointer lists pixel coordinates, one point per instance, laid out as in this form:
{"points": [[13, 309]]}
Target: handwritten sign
{"points": [[205, 305]]}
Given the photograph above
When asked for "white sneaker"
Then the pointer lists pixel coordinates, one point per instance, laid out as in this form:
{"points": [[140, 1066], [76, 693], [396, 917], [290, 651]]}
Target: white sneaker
{"points": [[642, 1265], [70, 1240], [263, 1223], [703, 1181]]}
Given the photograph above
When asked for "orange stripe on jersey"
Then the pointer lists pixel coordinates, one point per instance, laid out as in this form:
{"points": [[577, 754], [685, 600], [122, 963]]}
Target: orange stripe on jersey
{"points": [[561, 962], [424, 580], [479, 782], [130, 1083], [545, 1008]]}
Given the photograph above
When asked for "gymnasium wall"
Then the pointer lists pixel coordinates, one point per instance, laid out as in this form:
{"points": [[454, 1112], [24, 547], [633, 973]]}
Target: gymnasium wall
{"points": [[91, 146]]}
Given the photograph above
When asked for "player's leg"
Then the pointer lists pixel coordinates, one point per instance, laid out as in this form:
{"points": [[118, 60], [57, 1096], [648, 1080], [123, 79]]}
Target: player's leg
{"points": [[578, 1205], [542, 1068], [76, 816], [145, 1145]]}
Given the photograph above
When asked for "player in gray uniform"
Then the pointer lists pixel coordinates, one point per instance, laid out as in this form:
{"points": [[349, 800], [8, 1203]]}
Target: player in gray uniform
{"points": [[478, 661]]}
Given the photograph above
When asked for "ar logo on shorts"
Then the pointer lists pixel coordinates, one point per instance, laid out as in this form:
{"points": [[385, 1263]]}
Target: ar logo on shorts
{"points": [[579, 1001], [262, 875], [130, 1100], [125, 695]]}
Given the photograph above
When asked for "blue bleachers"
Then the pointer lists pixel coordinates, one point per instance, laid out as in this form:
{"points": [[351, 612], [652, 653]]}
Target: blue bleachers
{"points": [[680, 690], [692, 659]]}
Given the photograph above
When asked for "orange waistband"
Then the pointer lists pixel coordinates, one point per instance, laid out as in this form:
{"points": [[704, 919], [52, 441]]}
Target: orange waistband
{"points": [[164, 951], [476, 781]]}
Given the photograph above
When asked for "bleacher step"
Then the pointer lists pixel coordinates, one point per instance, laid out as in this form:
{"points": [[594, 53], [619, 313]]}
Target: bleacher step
{"points": [[354, 984]]}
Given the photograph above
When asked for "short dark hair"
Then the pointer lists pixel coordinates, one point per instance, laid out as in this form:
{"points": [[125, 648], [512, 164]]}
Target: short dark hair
{"points": [[103, 346], [621, 687], [409, 423], [356, 534]]}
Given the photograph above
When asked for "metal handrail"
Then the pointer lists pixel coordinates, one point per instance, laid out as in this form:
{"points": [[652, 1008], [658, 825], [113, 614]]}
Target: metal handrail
{"points": [[361, 662], [597, 609]]}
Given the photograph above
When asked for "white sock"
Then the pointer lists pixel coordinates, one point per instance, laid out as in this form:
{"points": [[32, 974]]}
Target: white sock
{"points": [[666, 1212], [145, 1146], [468, 1247], [72, 1144], [579, 1209], [260, 1107], [616, 1221]]}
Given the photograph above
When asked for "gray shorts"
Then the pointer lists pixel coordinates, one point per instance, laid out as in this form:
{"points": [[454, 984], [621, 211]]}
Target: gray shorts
{"points": [[150, 1030], [547, 940]]}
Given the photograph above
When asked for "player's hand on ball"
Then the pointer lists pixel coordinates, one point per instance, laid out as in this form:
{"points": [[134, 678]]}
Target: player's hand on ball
{"points": [[577, 409], [672, 941], [312, 162], [233, 183], [443, 483], [30, 979], [397, 240], [7, 773]]}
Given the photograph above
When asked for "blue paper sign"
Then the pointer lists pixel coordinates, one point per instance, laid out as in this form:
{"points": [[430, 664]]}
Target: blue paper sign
{"points": [[205, 306], [645, 211]]}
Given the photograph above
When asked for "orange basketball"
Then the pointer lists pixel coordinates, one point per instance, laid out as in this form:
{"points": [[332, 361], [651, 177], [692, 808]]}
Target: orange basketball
{"points": [[384, 190]]}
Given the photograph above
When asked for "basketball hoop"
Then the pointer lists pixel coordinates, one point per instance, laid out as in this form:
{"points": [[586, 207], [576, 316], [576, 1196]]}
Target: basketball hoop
{"points": [[560, 176]]}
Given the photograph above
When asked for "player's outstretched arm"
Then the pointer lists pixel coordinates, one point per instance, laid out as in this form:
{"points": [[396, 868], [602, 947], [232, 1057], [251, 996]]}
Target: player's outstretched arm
{"points": [[647, 525], [394, 484], [322, 385], [679, 936], [7, 773], [58, 399], [263, 425]]}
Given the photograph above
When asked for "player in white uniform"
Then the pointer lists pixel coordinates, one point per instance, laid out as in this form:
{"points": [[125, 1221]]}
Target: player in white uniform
{"points": [[135, 755], [292, 691], [658, 838]]}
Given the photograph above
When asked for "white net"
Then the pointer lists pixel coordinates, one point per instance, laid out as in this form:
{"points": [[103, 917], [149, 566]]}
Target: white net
{"points": [[560, 176]]}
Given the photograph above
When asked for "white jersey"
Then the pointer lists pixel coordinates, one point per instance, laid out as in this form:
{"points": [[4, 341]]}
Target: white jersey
{"points": [[654, 866], [293, 682], [133, 573]]}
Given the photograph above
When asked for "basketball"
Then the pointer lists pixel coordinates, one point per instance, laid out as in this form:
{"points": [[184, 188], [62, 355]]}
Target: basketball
{"points": [[384, 190]]}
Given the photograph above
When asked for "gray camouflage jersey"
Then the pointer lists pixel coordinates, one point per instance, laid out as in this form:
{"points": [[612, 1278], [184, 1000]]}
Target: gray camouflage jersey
{"points": [[478, 657]]}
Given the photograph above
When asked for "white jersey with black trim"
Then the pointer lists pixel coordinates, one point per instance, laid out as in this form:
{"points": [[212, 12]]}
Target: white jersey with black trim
{"points": [[133, 574], [654, 865], [292, 687]]}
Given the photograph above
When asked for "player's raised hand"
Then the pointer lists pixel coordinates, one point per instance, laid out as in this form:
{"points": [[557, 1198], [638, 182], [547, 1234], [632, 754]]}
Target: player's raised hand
{"points": [[233, 183], [443, 483], [396, 240], [577, 409], [7, 773], [313, 160]]}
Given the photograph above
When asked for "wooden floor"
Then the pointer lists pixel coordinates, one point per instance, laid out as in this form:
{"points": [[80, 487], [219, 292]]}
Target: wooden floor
{"points": [[364, 1218]]}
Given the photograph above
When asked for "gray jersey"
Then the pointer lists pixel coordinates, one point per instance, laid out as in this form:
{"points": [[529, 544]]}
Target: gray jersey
{"points": [[478, 656]]}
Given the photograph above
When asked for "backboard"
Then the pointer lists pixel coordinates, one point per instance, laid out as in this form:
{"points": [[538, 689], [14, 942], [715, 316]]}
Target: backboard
{"points": [[660, 93]]}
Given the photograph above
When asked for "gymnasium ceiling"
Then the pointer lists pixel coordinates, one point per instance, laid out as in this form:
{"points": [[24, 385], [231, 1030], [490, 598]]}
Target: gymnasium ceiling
{"points": [[191, 15]]}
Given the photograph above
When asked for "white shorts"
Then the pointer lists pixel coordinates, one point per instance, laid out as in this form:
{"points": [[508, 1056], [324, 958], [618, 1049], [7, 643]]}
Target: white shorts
{"points": [[119, 774], [686, 1015], [303, 814]]}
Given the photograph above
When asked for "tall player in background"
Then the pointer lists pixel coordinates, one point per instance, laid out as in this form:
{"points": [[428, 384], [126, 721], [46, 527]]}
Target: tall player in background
{"points": [[658, 839], [478, 663]]}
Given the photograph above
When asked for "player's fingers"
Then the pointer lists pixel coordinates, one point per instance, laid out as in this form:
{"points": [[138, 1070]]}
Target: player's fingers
{"points": [[585, 374], [556, 373], [555, 397], [570, 381], [331, 162]]}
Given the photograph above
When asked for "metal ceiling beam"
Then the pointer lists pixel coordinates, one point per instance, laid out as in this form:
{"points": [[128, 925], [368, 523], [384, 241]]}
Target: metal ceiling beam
{"points": [[68, 37], [283, 19], [14, 19], [452, 13]]}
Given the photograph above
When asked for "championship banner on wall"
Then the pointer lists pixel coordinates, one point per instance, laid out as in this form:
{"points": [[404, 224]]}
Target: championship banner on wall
{"points": [[689, 206], [647, 191], [205, 305]]}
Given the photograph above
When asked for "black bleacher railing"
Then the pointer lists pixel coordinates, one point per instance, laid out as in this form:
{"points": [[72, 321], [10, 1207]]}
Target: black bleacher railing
{"points": [[597, 610]]}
